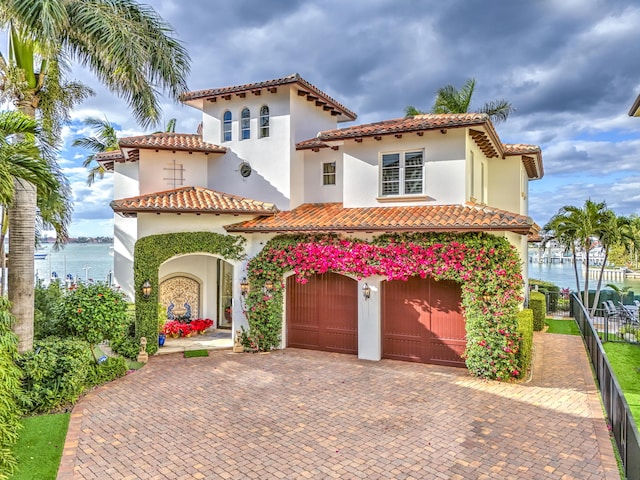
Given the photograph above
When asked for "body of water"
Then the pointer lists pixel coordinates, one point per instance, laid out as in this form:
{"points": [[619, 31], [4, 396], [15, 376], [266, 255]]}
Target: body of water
{"points": [[82, 261], [562, 275]]}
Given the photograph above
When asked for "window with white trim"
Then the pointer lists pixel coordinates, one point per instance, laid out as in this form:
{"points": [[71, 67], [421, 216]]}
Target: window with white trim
{"points": [[264, 121], [226, 126], [402, 173], [245, 124], [329, 173]]}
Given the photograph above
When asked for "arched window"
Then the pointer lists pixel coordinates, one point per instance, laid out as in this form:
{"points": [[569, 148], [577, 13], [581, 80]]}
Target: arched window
{"points": [[245, 124], [264, 121], [226, 127]]}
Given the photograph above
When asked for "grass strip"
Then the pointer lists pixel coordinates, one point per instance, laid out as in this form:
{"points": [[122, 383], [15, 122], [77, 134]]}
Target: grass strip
{"points": [[624, 358], [564, 327], [196, 353], [39, 448]]}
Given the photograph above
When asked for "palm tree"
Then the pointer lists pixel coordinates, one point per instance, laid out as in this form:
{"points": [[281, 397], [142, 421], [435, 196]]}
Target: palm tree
{"points": [[104, 140], [615, 230], [451, 100], [21, 165], [576, 227], [126, 45]]}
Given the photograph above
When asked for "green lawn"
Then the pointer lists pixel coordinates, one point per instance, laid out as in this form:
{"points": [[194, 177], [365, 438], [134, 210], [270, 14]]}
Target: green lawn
{"points": [[40, 445], [624, 358], [566, 327]]}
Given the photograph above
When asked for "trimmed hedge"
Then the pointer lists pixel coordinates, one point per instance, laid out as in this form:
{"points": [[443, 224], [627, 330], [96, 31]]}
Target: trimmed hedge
{"points": [[538, 304], [525, 331]]}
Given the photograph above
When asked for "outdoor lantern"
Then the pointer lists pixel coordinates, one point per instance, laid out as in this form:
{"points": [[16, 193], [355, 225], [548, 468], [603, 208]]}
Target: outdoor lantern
{"points": [[486, 298], [146, 289], [366, 291], [268, 285], [244, 286]]}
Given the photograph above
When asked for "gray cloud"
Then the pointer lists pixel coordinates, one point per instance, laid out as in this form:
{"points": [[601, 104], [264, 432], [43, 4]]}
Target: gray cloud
{"points": [[568, 66]]}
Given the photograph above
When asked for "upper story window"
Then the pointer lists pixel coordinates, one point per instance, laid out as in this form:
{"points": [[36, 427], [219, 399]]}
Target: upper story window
{"points": [[245, 124], [226, 127], [402, 173], [329, 173], [264, 121]]}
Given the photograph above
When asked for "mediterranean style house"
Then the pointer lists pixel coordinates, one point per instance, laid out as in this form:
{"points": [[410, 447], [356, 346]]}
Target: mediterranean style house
{"points": [[270, 159]]}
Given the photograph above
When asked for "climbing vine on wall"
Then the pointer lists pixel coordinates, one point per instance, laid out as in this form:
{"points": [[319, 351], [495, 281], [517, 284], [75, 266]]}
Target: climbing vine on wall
{"points": [[150, 252], [487, 268]]}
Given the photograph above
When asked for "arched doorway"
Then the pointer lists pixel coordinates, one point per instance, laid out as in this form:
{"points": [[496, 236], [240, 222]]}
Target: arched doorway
{"points": [[322, 314]]}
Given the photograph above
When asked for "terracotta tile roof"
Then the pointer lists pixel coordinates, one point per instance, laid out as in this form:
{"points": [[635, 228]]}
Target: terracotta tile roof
{"points": [[418, 123], [171, 141], [333, 217], [519, 149], [106, 159], [305, 88], [191, 200]]}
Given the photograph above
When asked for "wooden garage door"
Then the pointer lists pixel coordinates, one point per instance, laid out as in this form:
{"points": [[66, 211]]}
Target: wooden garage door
{"points": [[322, 314], [422, 321]]}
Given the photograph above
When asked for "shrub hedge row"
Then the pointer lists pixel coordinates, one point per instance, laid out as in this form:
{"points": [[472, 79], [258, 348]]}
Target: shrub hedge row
{"points": [[525, 330], [537, 303]]}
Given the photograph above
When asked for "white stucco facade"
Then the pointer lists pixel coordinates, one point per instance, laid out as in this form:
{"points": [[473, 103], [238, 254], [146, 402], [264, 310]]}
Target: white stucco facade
{"points": [[287, 172]]}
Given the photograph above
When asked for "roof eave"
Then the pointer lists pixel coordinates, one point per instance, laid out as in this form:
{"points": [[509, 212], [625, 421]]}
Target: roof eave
{"points": [[523, 230], [635, 108]]}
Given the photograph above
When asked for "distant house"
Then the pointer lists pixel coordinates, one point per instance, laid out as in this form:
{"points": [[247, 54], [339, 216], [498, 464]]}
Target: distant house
{"points": [[271, 160], [635, 108]]}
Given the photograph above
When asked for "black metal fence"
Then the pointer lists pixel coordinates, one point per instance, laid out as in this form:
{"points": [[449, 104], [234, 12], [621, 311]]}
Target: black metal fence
{"points": [[622, 424]]}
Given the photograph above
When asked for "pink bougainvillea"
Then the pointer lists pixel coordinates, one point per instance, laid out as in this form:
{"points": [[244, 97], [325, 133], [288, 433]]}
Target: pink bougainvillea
{"points": [[486, 267]]}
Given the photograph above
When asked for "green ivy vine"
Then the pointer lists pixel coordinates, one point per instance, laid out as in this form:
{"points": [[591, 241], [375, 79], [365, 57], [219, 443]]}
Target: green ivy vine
{"points": [[487, 267], [150, 252]]}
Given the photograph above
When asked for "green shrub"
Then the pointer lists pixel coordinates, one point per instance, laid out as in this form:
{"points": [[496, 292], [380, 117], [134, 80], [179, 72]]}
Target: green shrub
{"points": [[93, 312], [550, 290], [55, 373], [47, 301], [10, 389], [525, 331], [124, 342], [537, 303], [110, 369]]}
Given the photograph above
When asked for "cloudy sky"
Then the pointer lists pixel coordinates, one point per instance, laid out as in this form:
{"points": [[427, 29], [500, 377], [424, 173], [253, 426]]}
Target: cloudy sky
{"points": [[569, 67]]}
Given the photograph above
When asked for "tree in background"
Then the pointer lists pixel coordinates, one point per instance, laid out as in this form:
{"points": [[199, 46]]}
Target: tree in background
{"points": [[126, 45], [451, 100], [103, 140], [576, 227]]}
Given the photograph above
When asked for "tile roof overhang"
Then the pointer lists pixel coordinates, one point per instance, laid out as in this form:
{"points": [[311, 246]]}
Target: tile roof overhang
{"points": [[130, 147], [333, 217], [484, 134], [635, 108], [196, 200], [306, 89]]}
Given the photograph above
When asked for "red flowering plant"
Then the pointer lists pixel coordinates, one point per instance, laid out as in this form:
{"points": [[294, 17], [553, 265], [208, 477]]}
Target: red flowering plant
{"points": [[200, 325], [487, 268]]}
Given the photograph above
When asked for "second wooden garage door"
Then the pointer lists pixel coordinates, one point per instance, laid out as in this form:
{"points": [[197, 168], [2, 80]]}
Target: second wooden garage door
{"points": [[422, 321], [322, 314]]}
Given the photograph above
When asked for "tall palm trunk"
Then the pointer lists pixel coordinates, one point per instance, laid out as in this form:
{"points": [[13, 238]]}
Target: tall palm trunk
{"points": [[22, 220], [22, 236], [597, 297], [585, 295], [575, 267]]}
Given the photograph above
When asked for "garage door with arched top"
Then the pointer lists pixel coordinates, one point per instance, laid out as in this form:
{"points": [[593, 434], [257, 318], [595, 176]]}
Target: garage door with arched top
{"points": [[322, 314], [422, 321]]}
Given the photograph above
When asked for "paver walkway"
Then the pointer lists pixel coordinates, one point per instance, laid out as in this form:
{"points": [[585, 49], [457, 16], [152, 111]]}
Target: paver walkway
{"points": [[303, 414]]}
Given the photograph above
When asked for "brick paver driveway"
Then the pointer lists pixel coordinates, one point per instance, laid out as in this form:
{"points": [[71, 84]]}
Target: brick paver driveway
{"points": [[302, 414]]}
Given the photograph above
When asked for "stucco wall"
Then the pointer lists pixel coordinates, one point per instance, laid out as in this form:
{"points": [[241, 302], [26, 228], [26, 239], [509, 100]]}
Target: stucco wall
{"points": [[156, 175]]}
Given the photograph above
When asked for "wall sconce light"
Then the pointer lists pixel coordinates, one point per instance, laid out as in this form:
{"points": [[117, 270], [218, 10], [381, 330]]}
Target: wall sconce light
{"points": [[146, 289], [244, 286], [486, 298], [366, 291], [443, 131], [268, 285]]}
